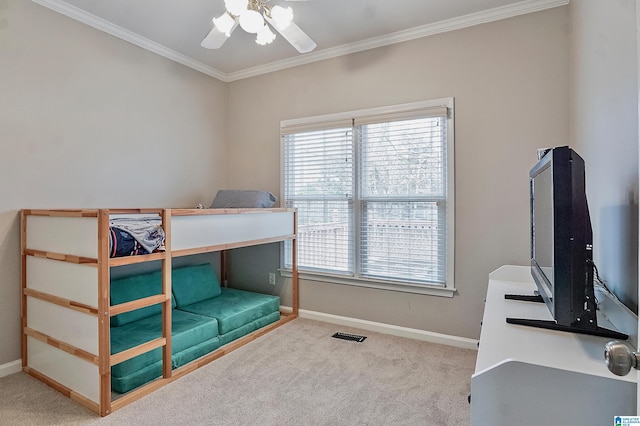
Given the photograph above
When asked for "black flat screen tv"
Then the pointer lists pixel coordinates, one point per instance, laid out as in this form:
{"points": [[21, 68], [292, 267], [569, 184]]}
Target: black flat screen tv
{"points": [[562, 245]]}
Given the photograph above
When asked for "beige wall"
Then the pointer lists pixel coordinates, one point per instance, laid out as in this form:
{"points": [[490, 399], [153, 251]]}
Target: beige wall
{"points": [[604, 128], [87, 120], [511, 89]]}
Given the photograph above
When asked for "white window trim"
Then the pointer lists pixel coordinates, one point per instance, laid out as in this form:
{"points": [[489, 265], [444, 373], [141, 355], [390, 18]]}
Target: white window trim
{"points": [[448, 290]]}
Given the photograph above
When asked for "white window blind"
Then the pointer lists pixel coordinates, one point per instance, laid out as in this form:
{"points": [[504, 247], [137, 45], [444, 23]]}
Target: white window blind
{"points": [[373, 193], [319, 182]]}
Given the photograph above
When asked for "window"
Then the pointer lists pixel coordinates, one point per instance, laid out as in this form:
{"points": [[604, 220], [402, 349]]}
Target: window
{"points": [[374, 193]]}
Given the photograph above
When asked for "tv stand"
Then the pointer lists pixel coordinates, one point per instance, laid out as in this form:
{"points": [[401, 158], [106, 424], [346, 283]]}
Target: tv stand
{"points": [[552, 325], [525, 297], [528, 376]]}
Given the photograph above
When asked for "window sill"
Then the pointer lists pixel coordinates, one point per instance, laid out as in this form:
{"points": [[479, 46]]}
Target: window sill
{"points": [[430, 290]]}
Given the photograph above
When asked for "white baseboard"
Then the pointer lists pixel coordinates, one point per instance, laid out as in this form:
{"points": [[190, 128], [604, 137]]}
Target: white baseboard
{"points": [[10, 368], [411, 333]]}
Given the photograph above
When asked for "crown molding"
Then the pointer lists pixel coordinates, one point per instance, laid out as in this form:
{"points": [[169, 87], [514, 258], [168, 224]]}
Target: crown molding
{"points": [[126, 35], [491, 15]]}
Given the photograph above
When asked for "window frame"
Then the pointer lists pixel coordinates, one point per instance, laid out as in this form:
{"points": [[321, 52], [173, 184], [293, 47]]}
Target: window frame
{"points": [[335, 120]]}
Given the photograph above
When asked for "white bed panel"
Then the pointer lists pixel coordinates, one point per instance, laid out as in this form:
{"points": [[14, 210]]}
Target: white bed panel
{"points": [[73, 372], [67, 325], [209, 230], [76, 236], [63, 279]]}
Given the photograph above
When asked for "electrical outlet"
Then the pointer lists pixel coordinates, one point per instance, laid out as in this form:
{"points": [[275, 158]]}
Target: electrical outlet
{"points": [[272, 278]]}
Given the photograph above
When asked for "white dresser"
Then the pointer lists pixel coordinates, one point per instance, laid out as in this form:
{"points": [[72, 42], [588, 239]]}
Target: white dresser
{"points": [[531, 376]]}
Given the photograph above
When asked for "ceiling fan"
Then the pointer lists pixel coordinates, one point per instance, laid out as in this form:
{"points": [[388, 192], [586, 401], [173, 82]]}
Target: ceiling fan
{"points": [[253, 16]]}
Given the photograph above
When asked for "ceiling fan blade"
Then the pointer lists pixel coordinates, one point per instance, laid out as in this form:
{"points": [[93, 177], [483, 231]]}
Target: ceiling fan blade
{"points": [[216, 38], [294, 35]]}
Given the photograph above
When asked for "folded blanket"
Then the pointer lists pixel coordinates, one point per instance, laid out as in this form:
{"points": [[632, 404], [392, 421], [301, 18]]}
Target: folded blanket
{"points": [[147, 232]]}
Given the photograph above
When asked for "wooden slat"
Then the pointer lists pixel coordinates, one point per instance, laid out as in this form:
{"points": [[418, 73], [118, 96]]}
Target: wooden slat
{"points": [[138, 304], [62, 212], [23, 296], [136, 211], [130, 260], [104, 321], [60, 301], [70, 349], [166, 290], [69, 393], [229, 246], [137, 350], [61, 257]]}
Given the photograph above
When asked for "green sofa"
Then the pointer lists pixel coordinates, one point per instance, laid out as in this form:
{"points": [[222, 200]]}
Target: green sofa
{"points": [[204, 317]]}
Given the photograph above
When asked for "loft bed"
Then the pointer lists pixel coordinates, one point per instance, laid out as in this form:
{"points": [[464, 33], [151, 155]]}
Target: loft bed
{"points": [[66, 308]]}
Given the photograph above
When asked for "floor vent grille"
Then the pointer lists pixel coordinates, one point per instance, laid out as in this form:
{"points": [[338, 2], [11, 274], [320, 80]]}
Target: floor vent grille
{"points": [[352, 337]]}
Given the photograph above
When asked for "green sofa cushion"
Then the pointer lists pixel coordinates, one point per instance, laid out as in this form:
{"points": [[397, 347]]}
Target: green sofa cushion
{"points": [[248, 328], [136, 287], [153, 371], [194, 284], [188, 330], [234, 308]]}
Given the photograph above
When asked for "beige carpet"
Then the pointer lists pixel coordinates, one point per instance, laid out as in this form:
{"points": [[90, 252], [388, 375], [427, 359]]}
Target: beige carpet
{"points": [[295, 375]]}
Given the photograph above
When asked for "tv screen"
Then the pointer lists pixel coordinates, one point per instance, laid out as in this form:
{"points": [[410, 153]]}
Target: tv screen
{"points": [[542, 231], [562, 245]]}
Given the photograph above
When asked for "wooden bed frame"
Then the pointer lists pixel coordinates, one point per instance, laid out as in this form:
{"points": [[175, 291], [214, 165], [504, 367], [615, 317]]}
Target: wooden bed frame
{"points": [[65, 291]]}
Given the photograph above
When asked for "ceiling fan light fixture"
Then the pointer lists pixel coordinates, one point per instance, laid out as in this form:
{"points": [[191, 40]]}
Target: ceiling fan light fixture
{"points": [[260, 18], [282, 16], [224, 23], [236, 7], [265, 36], [251, 21]]}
